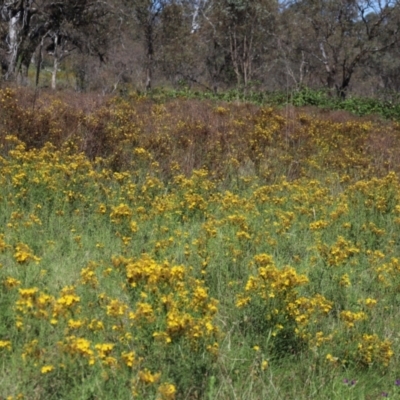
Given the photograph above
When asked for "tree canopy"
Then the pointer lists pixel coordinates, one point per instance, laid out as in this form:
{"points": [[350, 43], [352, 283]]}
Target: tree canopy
{"points": [[342, 46]]}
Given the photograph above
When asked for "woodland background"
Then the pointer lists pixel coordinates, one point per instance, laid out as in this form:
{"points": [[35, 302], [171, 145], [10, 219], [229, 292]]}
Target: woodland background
{"points": [[345, 47]]}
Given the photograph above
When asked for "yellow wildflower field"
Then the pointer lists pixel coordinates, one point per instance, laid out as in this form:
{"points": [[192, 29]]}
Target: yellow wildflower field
{"points": [[194, 250]]}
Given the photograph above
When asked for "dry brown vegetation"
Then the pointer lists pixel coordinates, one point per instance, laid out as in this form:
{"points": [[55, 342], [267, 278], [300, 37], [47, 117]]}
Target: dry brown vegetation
{"points": [[226, 138]]}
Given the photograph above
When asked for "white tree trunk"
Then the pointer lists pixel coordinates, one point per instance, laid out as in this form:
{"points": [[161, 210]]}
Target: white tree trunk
{"points": [[55, 65], [13, 44], [54, 73]]}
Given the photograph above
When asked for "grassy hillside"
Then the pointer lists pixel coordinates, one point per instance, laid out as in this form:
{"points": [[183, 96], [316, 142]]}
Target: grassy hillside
{"points": [[194, 249]]}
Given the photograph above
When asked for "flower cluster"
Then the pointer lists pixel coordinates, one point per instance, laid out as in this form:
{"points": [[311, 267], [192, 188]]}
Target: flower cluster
{"points": [[147, 255]]}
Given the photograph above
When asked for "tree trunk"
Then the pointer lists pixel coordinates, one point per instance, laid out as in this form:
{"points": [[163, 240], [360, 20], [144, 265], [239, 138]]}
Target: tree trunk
{"points": [[342, 89], [13, 45], [235, 56], [22, 76], [54, 73], [55, 65], [150, 57], [39, 62]]}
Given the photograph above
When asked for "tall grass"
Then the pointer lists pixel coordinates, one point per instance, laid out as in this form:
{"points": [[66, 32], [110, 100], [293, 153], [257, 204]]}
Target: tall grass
{"points": [[194, 250]]}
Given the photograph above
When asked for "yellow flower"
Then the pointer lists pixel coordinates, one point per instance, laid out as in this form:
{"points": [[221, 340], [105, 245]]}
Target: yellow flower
{"points": [[28, 293], [46, 369], [102, 209], [213, 349], [104, 349], [147, 377], [134, 227], [80, 346], [129, 358], [330, 358], [96, 325], [68, 300], [10, 282], [264, 365], [88, 276], [370, 302], [120, 212], [345, 281], [75, 324], [23, 254], [167, 391], [349, 317], [5, 344], [116, 308], [162, 336], [314, 226]]}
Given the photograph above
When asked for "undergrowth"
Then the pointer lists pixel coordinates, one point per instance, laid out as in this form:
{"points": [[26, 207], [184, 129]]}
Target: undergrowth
{"points": [[188, 249]]}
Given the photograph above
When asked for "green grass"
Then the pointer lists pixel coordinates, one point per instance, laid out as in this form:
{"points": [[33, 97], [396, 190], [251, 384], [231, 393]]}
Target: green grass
{"points": [[387, 106], [229, 287]]}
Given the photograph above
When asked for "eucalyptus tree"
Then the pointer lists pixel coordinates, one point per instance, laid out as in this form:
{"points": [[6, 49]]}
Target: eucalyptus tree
{"points": [[341, 35], [21, 16], [33, 23], [145, 16], [244, 29], [77, 26]]}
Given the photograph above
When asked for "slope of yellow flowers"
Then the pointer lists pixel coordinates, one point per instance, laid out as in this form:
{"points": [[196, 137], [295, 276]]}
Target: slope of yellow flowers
{"points": [[222, 252]]}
